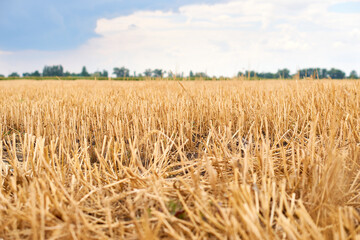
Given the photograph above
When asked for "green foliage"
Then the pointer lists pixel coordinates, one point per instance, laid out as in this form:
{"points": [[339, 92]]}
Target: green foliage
{"points": [[99, 74], [148, 72], [284, 73], [201, 75], [310, 72], [336, 74], [50, 72], [121, 72], [34, 74], [191, 74], [104, 74], [53, 71], [14, 74], [84, 72], [158, 73], [177, 76], [353, 75], [303, 73], [67, 74]]}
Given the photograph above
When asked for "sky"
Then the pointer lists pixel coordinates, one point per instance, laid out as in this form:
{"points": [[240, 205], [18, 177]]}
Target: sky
{"points": [[219, 37]]}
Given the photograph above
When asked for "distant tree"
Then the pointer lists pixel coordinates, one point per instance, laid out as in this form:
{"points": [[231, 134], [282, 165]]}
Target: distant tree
{"points": [[52, 71], [267, 75], [34, 74], [270, 75], [84, 72], [239, 74], [1, 75], [201, 74], [191, 74], [97, 74], [303, 73], [100, 74], [121, 72], [140, 75], [323, 73], [14, 74], [336, 74], [250, 74], [353, 75], [284, 73], [158, 72], [105, 73], [313, 73], [148, 72]]}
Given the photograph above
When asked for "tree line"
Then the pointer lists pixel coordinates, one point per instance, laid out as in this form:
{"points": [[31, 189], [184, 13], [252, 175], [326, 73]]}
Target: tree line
{"points": [[318, 73], [123, 72]]}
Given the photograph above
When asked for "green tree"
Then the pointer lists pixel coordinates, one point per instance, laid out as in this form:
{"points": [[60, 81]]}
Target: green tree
{"points": [[201, 74], [34, 74], [171, 74], [105, 73], [121, 72], [310, 72], [14, 74], [353, 75], [324, 73], [84, 72], [96, 74], [239, 74], [284, 73], [251, 73], [1, 75], [52, 71], [158, 72], [314, 72], [267, 75], [336, 74], [191, 74], [148, 72]]}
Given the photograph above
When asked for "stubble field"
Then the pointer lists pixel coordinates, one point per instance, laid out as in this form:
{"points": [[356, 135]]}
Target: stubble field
{"points": [[180, 160]]}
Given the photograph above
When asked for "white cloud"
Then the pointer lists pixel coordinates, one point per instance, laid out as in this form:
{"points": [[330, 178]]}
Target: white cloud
{"points": [[355, 33], [5, 52], [339, 44], [220, 39]]}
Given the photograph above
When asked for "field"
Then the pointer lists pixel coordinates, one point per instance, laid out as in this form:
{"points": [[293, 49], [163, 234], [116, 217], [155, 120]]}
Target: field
{"points": [[180, 160]]}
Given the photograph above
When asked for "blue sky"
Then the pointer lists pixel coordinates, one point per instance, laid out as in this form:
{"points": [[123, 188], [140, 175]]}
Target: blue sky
{"points": [[66, 24], [219, 37], [346, 7]]}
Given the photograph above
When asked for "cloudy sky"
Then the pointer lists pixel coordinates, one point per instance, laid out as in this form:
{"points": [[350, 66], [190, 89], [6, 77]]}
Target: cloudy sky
{"points": [[214, 36]]}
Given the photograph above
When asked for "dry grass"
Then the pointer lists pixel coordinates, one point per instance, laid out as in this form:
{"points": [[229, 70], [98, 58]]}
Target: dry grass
{"points": [[201, 160]]}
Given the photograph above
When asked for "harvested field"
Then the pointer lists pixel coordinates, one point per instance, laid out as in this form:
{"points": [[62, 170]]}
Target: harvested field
{"points": [[180, 160]]}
